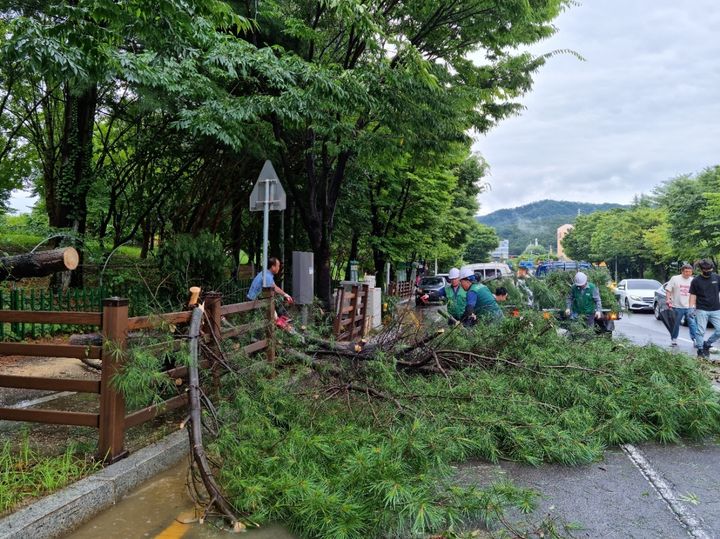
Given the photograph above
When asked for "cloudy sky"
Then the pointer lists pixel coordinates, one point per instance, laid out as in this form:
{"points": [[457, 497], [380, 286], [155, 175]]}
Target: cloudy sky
{"points": [[643, 107]]}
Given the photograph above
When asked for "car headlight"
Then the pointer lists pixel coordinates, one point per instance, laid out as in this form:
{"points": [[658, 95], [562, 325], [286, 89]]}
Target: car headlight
{"points": [[636, 298]]}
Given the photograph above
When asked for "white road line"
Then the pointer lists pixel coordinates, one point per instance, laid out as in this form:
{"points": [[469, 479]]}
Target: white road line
{"points": [[680, 510]]}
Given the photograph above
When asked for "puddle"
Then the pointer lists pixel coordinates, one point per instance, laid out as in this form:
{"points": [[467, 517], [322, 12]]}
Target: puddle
{"points": [[151, 510]]}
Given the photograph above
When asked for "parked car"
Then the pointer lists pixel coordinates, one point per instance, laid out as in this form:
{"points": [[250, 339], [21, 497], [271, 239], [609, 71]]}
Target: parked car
{"points": [[486, 271], [430, 286], [637, 294]]}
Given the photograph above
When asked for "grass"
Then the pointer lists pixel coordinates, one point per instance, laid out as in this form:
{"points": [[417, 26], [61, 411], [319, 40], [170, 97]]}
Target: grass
{"points": [[26, 474]]}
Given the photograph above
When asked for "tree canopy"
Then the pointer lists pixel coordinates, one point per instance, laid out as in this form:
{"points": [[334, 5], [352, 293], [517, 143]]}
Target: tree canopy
{"points": [[141, 119]]}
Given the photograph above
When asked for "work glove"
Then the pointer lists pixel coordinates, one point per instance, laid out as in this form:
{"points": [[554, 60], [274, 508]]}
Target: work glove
{"points": [[568, 312], [598, 315]]}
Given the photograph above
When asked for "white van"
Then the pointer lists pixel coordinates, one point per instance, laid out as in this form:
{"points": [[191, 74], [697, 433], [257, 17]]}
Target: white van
{"points": [[490, 270]]}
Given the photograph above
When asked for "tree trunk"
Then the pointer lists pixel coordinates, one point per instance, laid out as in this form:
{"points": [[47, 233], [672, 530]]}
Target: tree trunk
{"points": [[74, 180], [38, 264]]}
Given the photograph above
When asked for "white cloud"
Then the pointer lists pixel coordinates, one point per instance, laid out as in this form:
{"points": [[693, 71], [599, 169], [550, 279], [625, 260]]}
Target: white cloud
{"points": [[643, 108]]}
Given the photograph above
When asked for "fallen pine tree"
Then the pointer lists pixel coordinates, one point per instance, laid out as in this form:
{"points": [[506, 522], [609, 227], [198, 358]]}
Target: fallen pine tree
{"points": [[358, 440]]}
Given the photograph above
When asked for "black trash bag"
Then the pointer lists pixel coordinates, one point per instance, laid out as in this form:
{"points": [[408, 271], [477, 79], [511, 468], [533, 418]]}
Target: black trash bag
{"points": [[667, 316]]}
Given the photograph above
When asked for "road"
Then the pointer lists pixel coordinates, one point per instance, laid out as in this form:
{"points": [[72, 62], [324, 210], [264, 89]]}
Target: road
{"points": [[646, 491]]}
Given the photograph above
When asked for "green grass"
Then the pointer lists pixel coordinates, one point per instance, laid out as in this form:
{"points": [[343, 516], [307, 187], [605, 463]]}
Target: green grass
{"points": [[25, 474], [16, 243]]}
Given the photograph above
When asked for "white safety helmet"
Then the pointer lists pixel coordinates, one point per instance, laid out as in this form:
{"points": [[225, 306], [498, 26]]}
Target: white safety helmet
{"points": [[580, 279], [454, 273], [466, 273]]}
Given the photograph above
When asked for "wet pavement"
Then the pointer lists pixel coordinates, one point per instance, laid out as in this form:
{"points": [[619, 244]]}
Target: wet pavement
{"points": [[156, 509]]}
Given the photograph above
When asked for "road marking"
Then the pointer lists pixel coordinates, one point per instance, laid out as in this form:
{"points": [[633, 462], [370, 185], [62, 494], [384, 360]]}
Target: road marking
{"points": [[681, 511], [173, 531]]}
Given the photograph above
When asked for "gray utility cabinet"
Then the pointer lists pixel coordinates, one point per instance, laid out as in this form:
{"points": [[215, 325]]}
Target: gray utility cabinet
{"points": [[303, 277]]}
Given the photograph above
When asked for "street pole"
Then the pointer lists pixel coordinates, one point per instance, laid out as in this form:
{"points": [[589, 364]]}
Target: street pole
{"points": [[266, 232]]}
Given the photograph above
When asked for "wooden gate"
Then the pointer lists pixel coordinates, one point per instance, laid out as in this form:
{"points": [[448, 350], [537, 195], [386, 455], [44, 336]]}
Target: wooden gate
{"points": [[350, 312]]}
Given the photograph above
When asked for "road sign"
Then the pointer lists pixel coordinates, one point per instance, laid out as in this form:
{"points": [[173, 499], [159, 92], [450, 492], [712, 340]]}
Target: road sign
{"points": [[273, 197]]}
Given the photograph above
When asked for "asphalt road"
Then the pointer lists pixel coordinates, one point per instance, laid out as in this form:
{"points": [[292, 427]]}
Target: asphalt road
{"points": [[647, 491], [642, 328]]}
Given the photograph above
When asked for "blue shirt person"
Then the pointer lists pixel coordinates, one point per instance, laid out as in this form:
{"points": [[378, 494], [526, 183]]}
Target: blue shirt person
{"points": [[269, 277]]}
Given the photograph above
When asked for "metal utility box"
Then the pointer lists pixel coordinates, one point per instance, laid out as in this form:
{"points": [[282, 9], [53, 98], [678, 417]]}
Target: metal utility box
{"points": [[303, 277]]}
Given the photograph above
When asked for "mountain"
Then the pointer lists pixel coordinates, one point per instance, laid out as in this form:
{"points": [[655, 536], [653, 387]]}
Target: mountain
{"points": [[538, 220]]}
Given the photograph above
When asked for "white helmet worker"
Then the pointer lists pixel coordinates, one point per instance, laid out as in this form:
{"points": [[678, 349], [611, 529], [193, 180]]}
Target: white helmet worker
{"points": [[466, 273], [454, 273], [580, 279]]}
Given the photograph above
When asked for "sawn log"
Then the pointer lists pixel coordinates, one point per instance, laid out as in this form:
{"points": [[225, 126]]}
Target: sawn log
{"points": [[40, 264]]}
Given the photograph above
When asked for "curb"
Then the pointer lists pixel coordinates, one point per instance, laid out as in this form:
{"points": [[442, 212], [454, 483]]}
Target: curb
{"points": [[59, 513]]}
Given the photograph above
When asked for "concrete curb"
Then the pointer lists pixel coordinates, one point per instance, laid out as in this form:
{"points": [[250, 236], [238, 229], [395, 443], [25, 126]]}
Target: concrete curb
{"points": [[58, 514]]}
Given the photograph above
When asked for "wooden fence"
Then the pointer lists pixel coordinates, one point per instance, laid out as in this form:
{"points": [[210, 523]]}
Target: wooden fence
{"points": [[401, 289], [350, 312], [113, 420], [87, 299]]}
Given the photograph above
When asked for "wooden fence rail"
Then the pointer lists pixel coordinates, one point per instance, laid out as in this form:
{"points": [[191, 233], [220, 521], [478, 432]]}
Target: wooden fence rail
{"points": [[112, 421], [88, 299]]}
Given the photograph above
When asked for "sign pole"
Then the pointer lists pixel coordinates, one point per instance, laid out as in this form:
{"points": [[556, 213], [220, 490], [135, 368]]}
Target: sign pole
{"points": [[266, 231], [263, 199]]}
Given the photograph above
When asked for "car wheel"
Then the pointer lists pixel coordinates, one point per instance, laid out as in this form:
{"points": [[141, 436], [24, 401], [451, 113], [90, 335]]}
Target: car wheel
{"points": [[627, 305], [656, 310]]}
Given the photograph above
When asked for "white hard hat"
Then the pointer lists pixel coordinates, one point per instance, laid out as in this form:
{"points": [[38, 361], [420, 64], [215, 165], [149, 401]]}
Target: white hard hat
{"points": [[580, 279], [454, 273], [466, 273]]}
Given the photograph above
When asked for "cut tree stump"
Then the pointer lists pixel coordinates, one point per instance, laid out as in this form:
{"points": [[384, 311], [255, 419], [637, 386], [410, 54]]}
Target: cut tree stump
{"points": [[40, 264]]}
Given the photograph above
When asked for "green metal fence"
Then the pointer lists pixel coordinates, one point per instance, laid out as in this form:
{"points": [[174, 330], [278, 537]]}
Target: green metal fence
{"points": [[73, 300], [85, 299]]}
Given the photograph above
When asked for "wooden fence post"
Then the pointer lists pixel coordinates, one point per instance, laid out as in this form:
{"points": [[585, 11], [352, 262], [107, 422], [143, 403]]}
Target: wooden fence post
{"points": [[270, 336], [213, 309], [112, 402]]}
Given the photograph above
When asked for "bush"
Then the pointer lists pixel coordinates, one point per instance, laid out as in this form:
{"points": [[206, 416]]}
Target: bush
{"points": [[188, 260]]}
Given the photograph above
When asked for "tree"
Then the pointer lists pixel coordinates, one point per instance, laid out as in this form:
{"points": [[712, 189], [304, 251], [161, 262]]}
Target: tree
{"points": [[397, 71], [482, 241]]}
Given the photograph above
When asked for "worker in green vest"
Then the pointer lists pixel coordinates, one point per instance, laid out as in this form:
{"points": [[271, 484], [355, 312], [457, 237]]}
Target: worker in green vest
{"points": [[480, 302], [455, 295], [583, 301]]}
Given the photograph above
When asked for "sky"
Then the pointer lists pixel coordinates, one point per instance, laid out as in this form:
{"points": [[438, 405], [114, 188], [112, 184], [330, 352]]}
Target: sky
{"points": [[642, 108]]}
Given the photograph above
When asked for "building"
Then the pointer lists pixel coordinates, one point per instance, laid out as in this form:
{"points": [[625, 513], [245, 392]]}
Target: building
{"points": [[502, 252], [561, 232]]}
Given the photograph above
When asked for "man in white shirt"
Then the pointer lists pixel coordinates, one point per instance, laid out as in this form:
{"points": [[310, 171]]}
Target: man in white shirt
{"points": [[677, 296]]}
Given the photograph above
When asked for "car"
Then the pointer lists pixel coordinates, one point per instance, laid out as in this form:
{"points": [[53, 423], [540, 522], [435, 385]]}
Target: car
{"points": [[487, 271], [637, 294], [431, 286]]}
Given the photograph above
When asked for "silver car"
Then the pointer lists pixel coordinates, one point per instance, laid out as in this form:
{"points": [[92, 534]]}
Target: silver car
{"points": [[637, 294]]}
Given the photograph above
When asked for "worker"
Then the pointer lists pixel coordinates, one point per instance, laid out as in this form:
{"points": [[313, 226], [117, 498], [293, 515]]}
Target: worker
{"points": [[583, 300], [481, 303], [455, 295]]}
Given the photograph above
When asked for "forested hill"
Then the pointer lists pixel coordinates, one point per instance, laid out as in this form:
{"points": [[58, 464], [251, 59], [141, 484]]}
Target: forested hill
{"points": [[539, 220]]}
